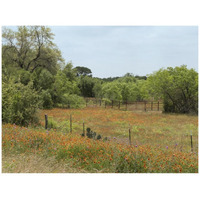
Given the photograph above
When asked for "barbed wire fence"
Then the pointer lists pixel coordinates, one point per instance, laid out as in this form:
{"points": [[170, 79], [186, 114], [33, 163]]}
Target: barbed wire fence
{"points": [[127, 134], [125, 105]]}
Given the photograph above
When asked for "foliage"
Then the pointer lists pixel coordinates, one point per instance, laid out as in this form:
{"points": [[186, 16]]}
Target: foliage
{"points": [[111, 91], [69, 72], [61, 86], [83, 71], [30, 48], [97, 89], [19, 103], [73, 101], [45, 80], [86, 85], [178, 87], [47, 101], [25, 77]]}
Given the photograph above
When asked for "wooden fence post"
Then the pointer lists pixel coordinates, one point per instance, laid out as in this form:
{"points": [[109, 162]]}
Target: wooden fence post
{"points": [[158, 105], [70, 123], [126, 104], [46, 121], [105, 104], [191, 143], [145, 106], [84, 128], [129, 131], [152, 105]]}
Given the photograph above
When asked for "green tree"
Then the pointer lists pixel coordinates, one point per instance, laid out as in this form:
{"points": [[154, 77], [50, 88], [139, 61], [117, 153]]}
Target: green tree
{"points": [[97, 89], [83, 71], [178, 87], [70, 72], [63, 85], [30, 48], [111, 91], [86, 85]]}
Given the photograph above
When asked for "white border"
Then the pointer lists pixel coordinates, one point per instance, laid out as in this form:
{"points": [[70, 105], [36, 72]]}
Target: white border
{"points": [[99, 186]]}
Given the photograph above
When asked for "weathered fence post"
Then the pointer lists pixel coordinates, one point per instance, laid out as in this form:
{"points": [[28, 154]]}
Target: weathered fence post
{"points": [[145, 106], [126, 104], [129, 132], [70, 123], [84, 128], [46, 121], [105, 104], [191, 143], [158, 105], [181, 147], [152, 105]]}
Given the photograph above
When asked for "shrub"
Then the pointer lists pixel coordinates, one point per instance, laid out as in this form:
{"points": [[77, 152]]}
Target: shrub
{"points": [[46, 99], [91, 134], [19, 103], [131, 164], [73, 101], [52, 124]]}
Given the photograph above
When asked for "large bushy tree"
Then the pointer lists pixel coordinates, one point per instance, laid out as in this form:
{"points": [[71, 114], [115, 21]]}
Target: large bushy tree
{"points": [[178, 87], [29, 48]]}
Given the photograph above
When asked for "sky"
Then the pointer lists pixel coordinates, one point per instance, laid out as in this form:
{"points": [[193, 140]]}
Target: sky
{"points": [[111, 51]]}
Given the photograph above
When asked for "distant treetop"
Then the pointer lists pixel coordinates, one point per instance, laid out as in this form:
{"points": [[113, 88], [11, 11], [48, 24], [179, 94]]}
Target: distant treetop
{"points": [[84, 71]]}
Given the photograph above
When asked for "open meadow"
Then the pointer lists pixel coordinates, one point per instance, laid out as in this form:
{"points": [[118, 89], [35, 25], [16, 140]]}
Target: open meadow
{"points": [[129, 142]]}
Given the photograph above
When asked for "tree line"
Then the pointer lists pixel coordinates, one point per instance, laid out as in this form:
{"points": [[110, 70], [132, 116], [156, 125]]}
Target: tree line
{"points": [[34, 75]]}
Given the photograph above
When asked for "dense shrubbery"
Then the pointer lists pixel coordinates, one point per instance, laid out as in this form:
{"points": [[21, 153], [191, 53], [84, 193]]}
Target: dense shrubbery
{"points": [[46, 98], [73, 101], [19, 103]]}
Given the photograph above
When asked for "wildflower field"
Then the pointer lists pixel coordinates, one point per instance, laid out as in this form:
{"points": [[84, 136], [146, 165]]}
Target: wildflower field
{"points": [[143, 142]]}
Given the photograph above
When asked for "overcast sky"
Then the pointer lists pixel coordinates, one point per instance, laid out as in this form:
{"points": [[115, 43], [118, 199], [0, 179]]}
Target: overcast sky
{"points": [[116, 50]]}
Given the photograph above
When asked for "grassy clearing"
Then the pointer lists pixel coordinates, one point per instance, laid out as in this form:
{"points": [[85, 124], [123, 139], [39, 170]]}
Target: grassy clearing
{"points": [[34, 163], [160, 143], [148, 128]]}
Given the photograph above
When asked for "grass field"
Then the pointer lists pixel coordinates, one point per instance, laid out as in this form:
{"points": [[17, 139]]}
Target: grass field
{"points": [[160, 143]]}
